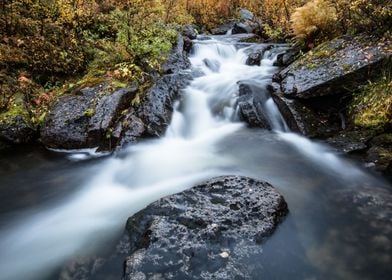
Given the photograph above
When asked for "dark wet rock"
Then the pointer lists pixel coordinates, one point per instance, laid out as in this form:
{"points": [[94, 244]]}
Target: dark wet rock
{"points": [[204, 38], [212, 64], [17, 130], [85, 118], [380, 152], [223, 29], [189, 31], [211, 231], [251, 98], [334, 68], [157, 106], [131, 130], [107, 113], [286, 58], [254, 59], [250, 38], [350, 141], [188, 45], [177, 60], [300, 118], [239, 28]]}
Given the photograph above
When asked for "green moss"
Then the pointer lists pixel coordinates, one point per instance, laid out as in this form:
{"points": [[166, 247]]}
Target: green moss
{"points": [[311, 66], [89, 113], [372, 106], [17, 108], [346, 67]]}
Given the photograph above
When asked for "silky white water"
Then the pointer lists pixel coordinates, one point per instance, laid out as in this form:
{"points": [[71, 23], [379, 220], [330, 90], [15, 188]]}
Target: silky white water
{"points": [[192, 150]]}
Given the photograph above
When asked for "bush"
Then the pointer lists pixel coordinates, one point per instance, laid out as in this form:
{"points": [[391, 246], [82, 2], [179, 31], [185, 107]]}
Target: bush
{"points": [[316, 19]]}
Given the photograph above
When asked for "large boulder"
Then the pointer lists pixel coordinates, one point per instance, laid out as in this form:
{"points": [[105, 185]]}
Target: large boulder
{"points": [[156, 108], [334, 67], [212, 231], [85, 118]]}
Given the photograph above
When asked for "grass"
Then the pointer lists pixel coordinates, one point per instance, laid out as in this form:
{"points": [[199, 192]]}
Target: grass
{"points": [[372, 106]]}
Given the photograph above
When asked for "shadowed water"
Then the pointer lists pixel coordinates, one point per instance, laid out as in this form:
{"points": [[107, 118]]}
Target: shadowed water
{"points": [[77, 207]]}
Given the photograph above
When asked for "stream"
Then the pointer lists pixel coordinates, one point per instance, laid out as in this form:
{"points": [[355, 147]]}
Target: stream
{"points": [[56, 205]]}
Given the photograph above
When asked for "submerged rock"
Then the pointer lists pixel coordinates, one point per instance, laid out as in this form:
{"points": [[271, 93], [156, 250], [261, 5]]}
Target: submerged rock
{"points": [[211, 231], [334, 67]]}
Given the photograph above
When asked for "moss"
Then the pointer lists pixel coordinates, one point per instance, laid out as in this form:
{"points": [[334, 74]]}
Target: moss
{"points": [[346, 67], [89, 113], [372, 106], [311, 66], [17, 108]]}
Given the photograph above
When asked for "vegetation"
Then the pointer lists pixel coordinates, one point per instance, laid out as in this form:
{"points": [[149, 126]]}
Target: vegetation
{"points": [[372, 106], [49, 46], [319, 20]]}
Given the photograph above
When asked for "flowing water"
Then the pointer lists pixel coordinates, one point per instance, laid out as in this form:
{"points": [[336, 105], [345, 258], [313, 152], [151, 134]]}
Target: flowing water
{"points": [[55, 205]]}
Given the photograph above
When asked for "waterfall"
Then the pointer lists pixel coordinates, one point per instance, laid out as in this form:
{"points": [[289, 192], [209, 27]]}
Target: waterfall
{"points": [[191, 151]]}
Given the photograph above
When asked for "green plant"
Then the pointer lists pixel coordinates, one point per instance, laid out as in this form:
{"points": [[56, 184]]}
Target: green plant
{"points": [[372, 106]]}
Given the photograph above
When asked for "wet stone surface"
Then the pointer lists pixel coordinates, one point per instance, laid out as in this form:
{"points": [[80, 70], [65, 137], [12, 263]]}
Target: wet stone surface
{"points": [[211, 231]]}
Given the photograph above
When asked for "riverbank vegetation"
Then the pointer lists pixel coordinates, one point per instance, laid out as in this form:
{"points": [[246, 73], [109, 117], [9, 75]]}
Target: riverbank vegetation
{"points": [[49, 46]]}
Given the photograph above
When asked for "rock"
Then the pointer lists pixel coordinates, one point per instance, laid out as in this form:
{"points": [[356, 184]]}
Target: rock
{"points": [[15, 124], [350, 141], [157, 105], [254, 59], [177, 60], [301, 119], [107, 112], [286, 58], [17, 130], [334, 68], [240, 28], [189, 31], [188, 45], [211, 231], [251, 98], [246, 14], [223, 29], [380, 152], [86, 118], [132, 129]]}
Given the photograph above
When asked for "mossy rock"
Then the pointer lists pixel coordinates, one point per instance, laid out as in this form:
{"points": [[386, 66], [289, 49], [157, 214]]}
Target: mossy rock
{"points": [[15, 125], [339, 66]]}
